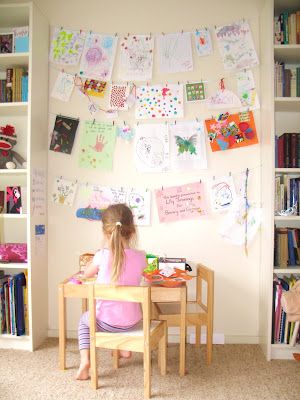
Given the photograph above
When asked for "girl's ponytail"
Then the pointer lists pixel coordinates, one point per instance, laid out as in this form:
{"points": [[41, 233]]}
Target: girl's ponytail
{"points": [[117, 250]]}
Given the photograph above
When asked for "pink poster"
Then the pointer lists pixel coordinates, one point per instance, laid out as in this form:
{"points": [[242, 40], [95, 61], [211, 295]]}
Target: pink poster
{"points": [[180, 202]]}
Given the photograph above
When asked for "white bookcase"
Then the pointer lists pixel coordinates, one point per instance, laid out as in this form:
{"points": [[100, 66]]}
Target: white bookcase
{"points": [[30, 120], [279, 115]]}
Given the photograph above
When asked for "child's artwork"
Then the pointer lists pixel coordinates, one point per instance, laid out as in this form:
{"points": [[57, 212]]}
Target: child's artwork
{"points": [[194, 91], [222, 193], [63, 134], [230, 131], [118, 96], [125, 132], [233, 227], [187, 145], [64, 191], [136, 58], [66, 46], [223, 98], [98, 56], [93, 200], [94, 88], [97, 145], [203, 42], [246, 89], [13, 200], [151, 147], [63, 87], [175, 52], [159, 101], [180, 202], [236, 45]]}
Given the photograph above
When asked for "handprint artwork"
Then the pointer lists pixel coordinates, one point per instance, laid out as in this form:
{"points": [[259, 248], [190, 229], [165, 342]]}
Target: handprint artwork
{"points": [[97, 145]]}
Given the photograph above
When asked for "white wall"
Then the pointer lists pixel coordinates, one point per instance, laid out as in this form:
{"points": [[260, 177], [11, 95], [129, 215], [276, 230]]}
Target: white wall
{"points": [[236, 276]]}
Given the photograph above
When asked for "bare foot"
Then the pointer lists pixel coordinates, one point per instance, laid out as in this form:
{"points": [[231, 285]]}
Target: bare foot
{"points": [[296, 356], [125, 354], [83, 372]]}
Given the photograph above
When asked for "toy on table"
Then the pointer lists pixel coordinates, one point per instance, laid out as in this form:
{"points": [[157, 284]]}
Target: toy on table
{"points": [[9, 158]]}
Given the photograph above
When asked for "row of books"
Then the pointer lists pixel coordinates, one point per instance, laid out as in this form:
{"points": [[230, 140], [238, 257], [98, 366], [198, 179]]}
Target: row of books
{"points": [[286, 247], [286, 80], [15, 86], [287, 150], [287, 28], [287, 194], [282, 330], [13, 305]]}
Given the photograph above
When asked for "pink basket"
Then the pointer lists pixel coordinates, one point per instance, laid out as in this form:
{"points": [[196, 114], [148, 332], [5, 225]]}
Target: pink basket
{"points": [[13, 252]]}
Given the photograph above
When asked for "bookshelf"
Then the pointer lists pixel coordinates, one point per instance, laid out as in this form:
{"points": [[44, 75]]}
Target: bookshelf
{"points": [[281, 115], [30, 121]]}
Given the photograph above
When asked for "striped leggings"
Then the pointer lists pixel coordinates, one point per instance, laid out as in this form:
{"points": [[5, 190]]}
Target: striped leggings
{"points": [[84, 330]]}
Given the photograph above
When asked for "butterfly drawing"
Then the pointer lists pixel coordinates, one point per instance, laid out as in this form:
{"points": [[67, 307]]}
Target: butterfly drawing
{"points": [[186, 145]]}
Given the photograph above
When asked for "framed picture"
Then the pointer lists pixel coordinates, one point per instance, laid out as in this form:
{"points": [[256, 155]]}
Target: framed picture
{"points": [[6, 42]]}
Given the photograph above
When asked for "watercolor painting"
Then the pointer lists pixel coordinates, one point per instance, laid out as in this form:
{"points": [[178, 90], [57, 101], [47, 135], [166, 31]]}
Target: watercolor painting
{"points": [[175, 52], [98, 56], [230, 131], [136, 58], [159, 101], [151, 145], [66, 46], [203, 42], [187, 145], [236, 45]]}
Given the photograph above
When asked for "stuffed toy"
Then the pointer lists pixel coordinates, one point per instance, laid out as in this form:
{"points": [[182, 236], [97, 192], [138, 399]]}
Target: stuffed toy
{"points": [[9, 159]]}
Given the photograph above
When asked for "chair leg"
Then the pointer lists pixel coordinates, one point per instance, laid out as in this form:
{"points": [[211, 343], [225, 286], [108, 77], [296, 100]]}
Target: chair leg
{"points": [[93, 368], [209, 334], [162, 352], [147, 372], [115, 353], [197, 335]]}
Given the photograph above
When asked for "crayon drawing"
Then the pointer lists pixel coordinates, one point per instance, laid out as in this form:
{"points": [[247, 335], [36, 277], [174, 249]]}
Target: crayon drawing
{"points": [[203, 42], [222, 193], [66, 46], [64, 191], [63, 87]]}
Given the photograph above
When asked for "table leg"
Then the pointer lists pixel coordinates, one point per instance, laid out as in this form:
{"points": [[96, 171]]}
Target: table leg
{"points": [[182, 332], [62, 327]]}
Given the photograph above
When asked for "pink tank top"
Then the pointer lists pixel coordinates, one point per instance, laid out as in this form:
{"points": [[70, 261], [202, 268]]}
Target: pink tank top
{"points": [[120, 313]]}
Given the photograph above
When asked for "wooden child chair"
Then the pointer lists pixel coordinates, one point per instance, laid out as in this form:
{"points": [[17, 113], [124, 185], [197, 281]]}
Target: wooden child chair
{"points": [[198, 313], [142, 340]]}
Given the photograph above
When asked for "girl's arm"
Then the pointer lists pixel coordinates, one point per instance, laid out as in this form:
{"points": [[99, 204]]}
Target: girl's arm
{"points": [[90, 270]]}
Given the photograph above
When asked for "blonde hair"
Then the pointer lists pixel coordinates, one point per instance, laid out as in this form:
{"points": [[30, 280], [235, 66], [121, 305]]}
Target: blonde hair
{"points": [[118, 224]]}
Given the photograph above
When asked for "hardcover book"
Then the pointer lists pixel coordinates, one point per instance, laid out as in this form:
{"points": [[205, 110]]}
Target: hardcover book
{"points": [[13, 200]]}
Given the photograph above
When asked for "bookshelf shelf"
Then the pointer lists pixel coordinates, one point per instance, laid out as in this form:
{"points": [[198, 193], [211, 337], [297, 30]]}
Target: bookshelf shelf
{"points": [[287, 218], [13, 216], [290, 270], [16, 108], [291, 171], [14, 266], [16, 171], [13, 60], [288, 104], [289, 53]]}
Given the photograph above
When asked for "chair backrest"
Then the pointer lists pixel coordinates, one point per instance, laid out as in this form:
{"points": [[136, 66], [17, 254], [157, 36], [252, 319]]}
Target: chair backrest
{"points": [[136, 294], [206, 275]]}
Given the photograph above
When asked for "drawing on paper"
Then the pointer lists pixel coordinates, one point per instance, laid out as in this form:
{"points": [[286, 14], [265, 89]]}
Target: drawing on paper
{"points": [[187, 145], [194, 91], [97, 145], [151, 148], [175, 52], [159, 101], [95, 88], [66, 46], [229, 131], [223, 98], [181, 202], [64, 191], [63, 135], [246, 89], [136, 58], [236, 45], [118, 96], [125, 132], [203, 42], [98, 56], [63, 87], [94, 199], [222, 193]]}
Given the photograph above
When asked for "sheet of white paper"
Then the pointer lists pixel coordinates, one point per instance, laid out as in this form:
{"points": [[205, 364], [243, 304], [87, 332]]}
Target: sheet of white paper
{"points": [[63, 87], [246, 90], [222, 193], [203, 42]]}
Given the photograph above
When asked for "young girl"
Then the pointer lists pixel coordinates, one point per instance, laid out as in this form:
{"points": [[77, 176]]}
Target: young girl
{"points": [[120, 265]]}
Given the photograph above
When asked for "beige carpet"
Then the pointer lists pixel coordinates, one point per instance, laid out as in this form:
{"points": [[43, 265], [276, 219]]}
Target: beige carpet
{"points": [[238, 372]]}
